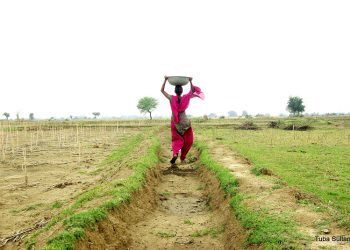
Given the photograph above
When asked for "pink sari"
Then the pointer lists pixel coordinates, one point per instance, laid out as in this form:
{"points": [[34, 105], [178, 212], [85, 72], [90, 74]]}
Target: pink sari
{"points": [[179, 141], [176, 108]]}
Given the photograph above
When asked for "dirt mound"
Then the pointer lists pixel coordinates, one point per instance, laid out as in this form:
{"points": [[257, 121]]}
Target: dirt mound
{"points": [[298, 127], [301, 196], [273, 124], [248, 126]]}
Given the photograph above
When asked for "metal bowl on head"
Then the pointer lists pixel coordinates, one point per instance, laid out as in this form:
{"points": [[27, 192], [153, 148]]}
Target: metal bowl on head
{"points": [[178, 80]]}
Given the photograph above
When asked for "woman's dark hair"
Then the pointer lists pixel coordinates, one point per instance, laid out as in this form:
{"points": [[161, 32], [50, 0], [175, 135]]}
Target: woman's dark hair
{"points": [[178, 89]]}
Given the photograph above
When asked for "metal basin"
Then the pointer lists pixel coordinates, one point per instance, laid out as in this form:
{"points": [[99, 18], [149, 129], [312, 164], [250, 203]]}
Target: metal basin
{"points": [[178, 80]]}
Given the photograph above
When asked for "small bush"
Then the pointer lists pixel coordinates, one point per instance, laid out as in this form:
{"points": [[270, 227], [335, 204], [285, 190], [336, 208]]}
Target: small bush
{"points": [[275, 124], [248, 126]]}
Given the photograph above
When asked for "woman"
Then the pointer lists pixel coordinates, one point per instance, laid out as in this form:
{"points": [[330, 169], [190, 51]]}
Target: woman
{"points": [[181, 130]]}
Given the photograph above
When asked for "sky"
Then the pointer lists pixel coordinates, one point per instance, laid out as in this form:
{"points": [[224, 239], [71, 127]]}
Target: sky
{"points": [[62, 58]]}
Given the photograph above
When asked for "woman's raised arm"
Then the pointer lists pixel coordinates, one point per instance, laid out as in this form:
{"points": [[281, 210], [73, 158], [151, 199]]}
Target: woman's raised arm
{"points": [[163, 87], [192, 88]]}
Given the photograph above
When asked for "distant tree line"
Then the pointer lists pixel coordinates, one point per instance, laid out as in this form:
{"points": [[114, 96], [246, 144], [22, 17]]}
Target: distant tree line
{"points": [[295, 106]]}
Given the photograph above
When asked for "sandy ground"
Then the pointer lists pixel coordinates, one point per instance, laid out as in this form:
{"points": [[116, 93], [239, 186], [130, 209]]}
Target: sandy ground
{"points": [[58, 165], [183, 209]]}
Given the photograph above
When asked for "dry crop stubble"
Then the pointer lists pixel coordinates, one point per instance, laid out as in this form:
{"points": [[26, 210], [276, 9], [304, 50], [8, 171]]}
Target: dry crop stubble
{"points": [[49, 156]]}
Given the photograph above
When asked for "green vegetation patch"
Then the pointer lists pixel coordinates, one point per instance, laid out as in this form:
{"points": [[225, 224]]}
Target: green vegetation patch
{"points": [[129, 145], [166, 234], [188, 222], [57, 204], [315, 162], [274, 231]]}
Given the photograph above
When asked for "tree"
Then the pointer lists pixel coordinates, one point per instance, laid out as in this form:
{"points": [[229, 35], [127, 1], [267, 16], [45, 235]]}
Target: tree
{"points": [[96, 114], [31, 116], [17, 116], [147, 105], [295, 105], [7, 115], [232, 113], [245, 113]]}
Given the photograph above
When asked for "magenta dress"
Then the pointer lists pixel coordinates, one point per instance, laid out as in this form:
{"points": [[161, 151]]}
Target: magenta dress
{"points": [[181, 129]]}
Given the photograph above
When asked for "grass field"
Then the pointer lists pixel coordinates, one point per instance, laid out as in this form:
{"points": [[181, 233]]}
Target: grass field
{"points": [[316, 161]]}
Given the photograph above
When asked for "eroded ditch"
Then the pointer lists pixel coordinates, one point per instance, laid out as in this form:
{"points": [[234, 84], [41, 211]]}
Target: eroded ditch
{"points": [[178, 208]]}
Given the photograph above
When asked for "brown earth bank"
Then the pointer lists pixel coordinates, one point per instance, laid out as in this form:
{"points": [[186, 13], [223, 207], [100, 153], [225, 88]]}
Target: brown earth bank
{"points": [[178, 208], [113, 233]]}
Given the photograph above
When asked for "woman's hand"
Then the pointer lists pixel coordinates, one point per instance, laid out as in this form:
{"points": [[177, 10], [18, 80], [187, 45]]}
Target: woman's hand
{"points": [[163, 88]]}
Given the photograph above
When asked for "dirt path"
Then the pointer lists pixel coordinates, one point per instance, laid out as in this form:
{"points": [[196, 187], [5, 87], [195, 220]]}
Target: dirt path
{"points": [[270, 193], [183, 218]]}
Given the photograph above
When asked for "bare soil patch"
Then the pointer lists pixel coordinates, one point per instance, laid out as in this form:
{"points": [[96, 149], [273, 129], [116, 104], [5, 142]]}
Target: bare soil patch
{"points": [[59, 166]]}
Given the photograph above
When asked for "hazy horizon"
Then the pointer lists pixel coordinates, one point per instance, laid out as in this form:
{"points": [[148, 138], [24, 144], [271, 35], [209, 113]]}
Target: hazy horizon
{"points": [[77, 57]]}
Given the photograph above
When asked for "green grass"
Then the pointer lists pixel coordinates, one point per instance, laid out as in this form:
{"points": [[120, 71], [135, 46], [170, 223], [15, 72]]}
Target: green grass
{"points": [[271, 230], [274, 231], [166, 234], [57, 204], [128, 145], [188, 222], [316, 162]]}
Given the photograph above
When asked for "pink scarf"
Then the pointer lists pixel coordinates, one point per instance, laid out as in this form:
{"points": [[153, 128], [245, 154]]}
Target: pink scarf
{"points": [[176, 107]]}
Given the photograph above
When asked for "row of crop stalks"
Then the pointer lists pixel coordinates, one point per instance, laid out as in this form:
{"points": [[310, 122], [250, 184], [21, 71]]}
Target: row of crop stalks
{"points": [[20, 143]]}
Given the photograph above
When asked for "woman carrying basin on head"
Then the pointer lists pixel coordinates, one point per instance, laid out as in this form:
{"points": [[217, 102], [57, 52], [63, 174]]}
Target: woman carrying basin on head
{"points": [[181, 130]]}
